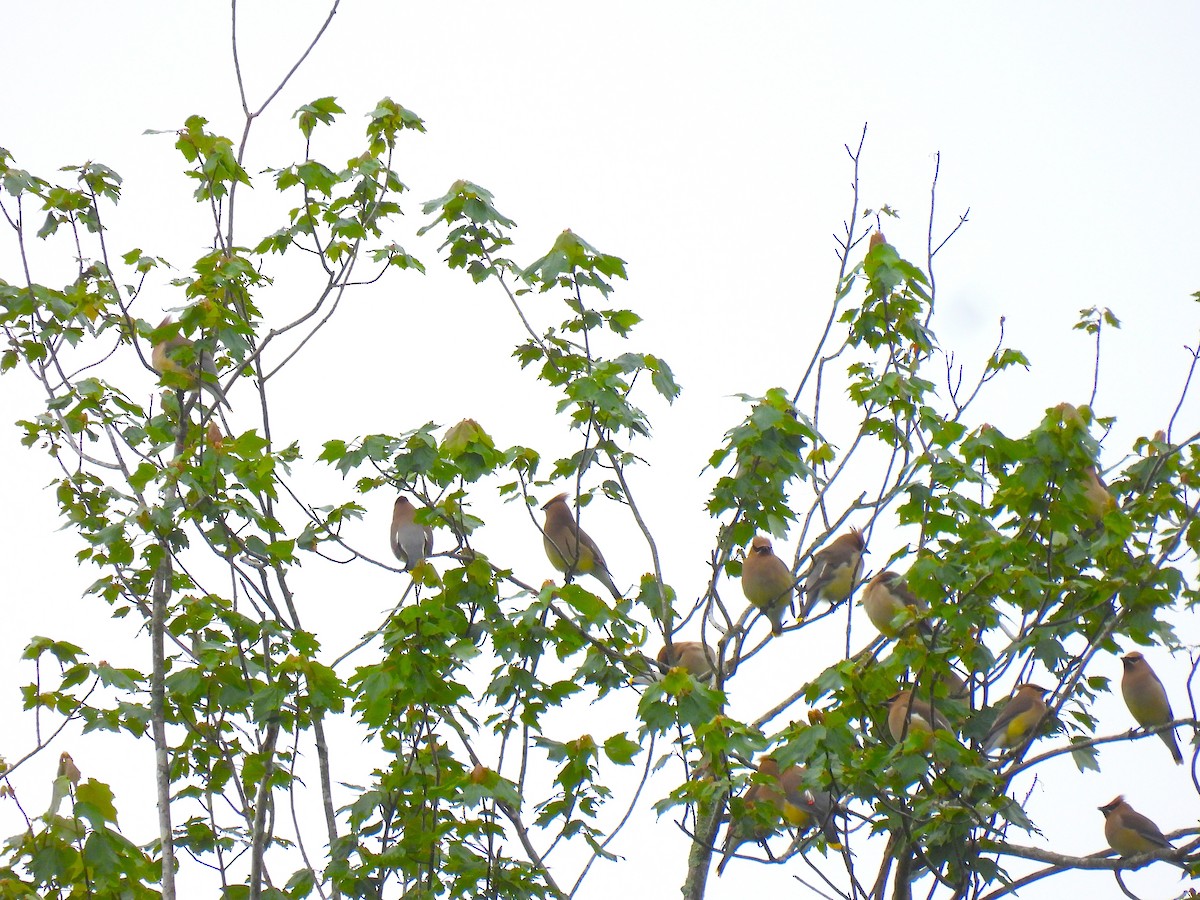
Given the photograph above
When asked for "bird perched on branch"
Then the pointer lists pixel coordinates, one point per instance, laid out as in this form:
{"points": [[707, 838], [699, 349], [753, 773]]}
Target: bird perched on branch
{"points": [[886, 598], [698, 658], [411, 542], [952, 684], [570, 549], [65, 782], [1017, 718], [1130, 833], [908, 714], [192, 369], [1099, 499], [1147, 699], [834, 570], [797, 805], [767, 582]]}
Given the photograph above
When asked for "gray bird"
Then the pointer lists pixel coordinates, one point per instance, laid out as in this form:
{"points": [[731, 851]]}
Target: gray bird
{"points": [[411, 542]]}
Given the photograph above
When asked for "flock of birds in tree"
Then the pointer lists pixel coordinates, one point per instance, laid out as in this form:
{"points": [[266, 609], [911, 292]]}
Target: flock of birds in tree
{"points": [[769, 585]]}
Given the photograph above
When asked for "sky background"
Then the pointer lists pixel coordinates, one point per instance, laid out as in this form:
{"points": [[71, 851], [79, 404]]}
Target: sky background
{"points": [[705, 145]]}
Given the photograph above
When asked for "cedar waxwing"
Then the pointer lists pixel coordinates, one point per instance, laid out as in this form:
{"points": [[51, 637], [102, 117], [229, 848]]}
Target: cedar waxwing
{"points": [[1129, 832], [886, 597], [67, 768], [834, 570], [570, 549], [214, 436], [907, 714], [1147, 699], [953, 685], [411, 542], [65, 781], [804, 808], [767, 582], [1016, 719], [797, 805], [695, 656], [1095, 491], [166, 358]]}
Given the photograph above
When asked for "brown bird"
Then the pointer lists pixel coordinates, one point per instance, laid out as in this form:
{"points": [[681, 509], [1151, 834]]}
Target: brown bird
{"points": [[214, 436], [695, 656], [797, 805], [887, 598], [952, 684], [908, 714], [65, 782], [804, 808], [1130, 833], [1147, 699], [1017, 718], [1099, 499], [411, 542], [67, 768], [570, 549], [177, 356], [767, 582], [834, 570]]}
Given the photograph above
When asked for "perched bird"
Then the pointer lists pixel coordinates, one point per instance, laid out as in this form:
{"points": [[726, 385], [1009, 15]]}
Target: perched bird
{"points": [[67, 768], [804, 808], [907, 714], [1096, 494], [797, 805], [1147, 699], [886, 597], [952, 684], [1016, 719], [570, 549], [834, 570], [1129, 832], [411, 542], [214, 436], [65, 781], [767, 582], [695, 656], [169, 356]]}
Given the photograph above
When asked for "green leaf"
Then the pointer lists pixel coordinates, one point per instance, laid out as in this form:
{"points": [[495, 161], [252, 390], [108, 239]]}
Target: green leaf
{"points": [[323, 110], [94, 801], [621, 750], [1086, 758]]}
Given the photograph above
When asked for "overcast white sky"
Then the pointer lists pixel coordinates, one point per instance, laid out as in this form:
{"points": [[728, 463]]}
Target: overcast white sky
{"points": [[702, 143]]}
